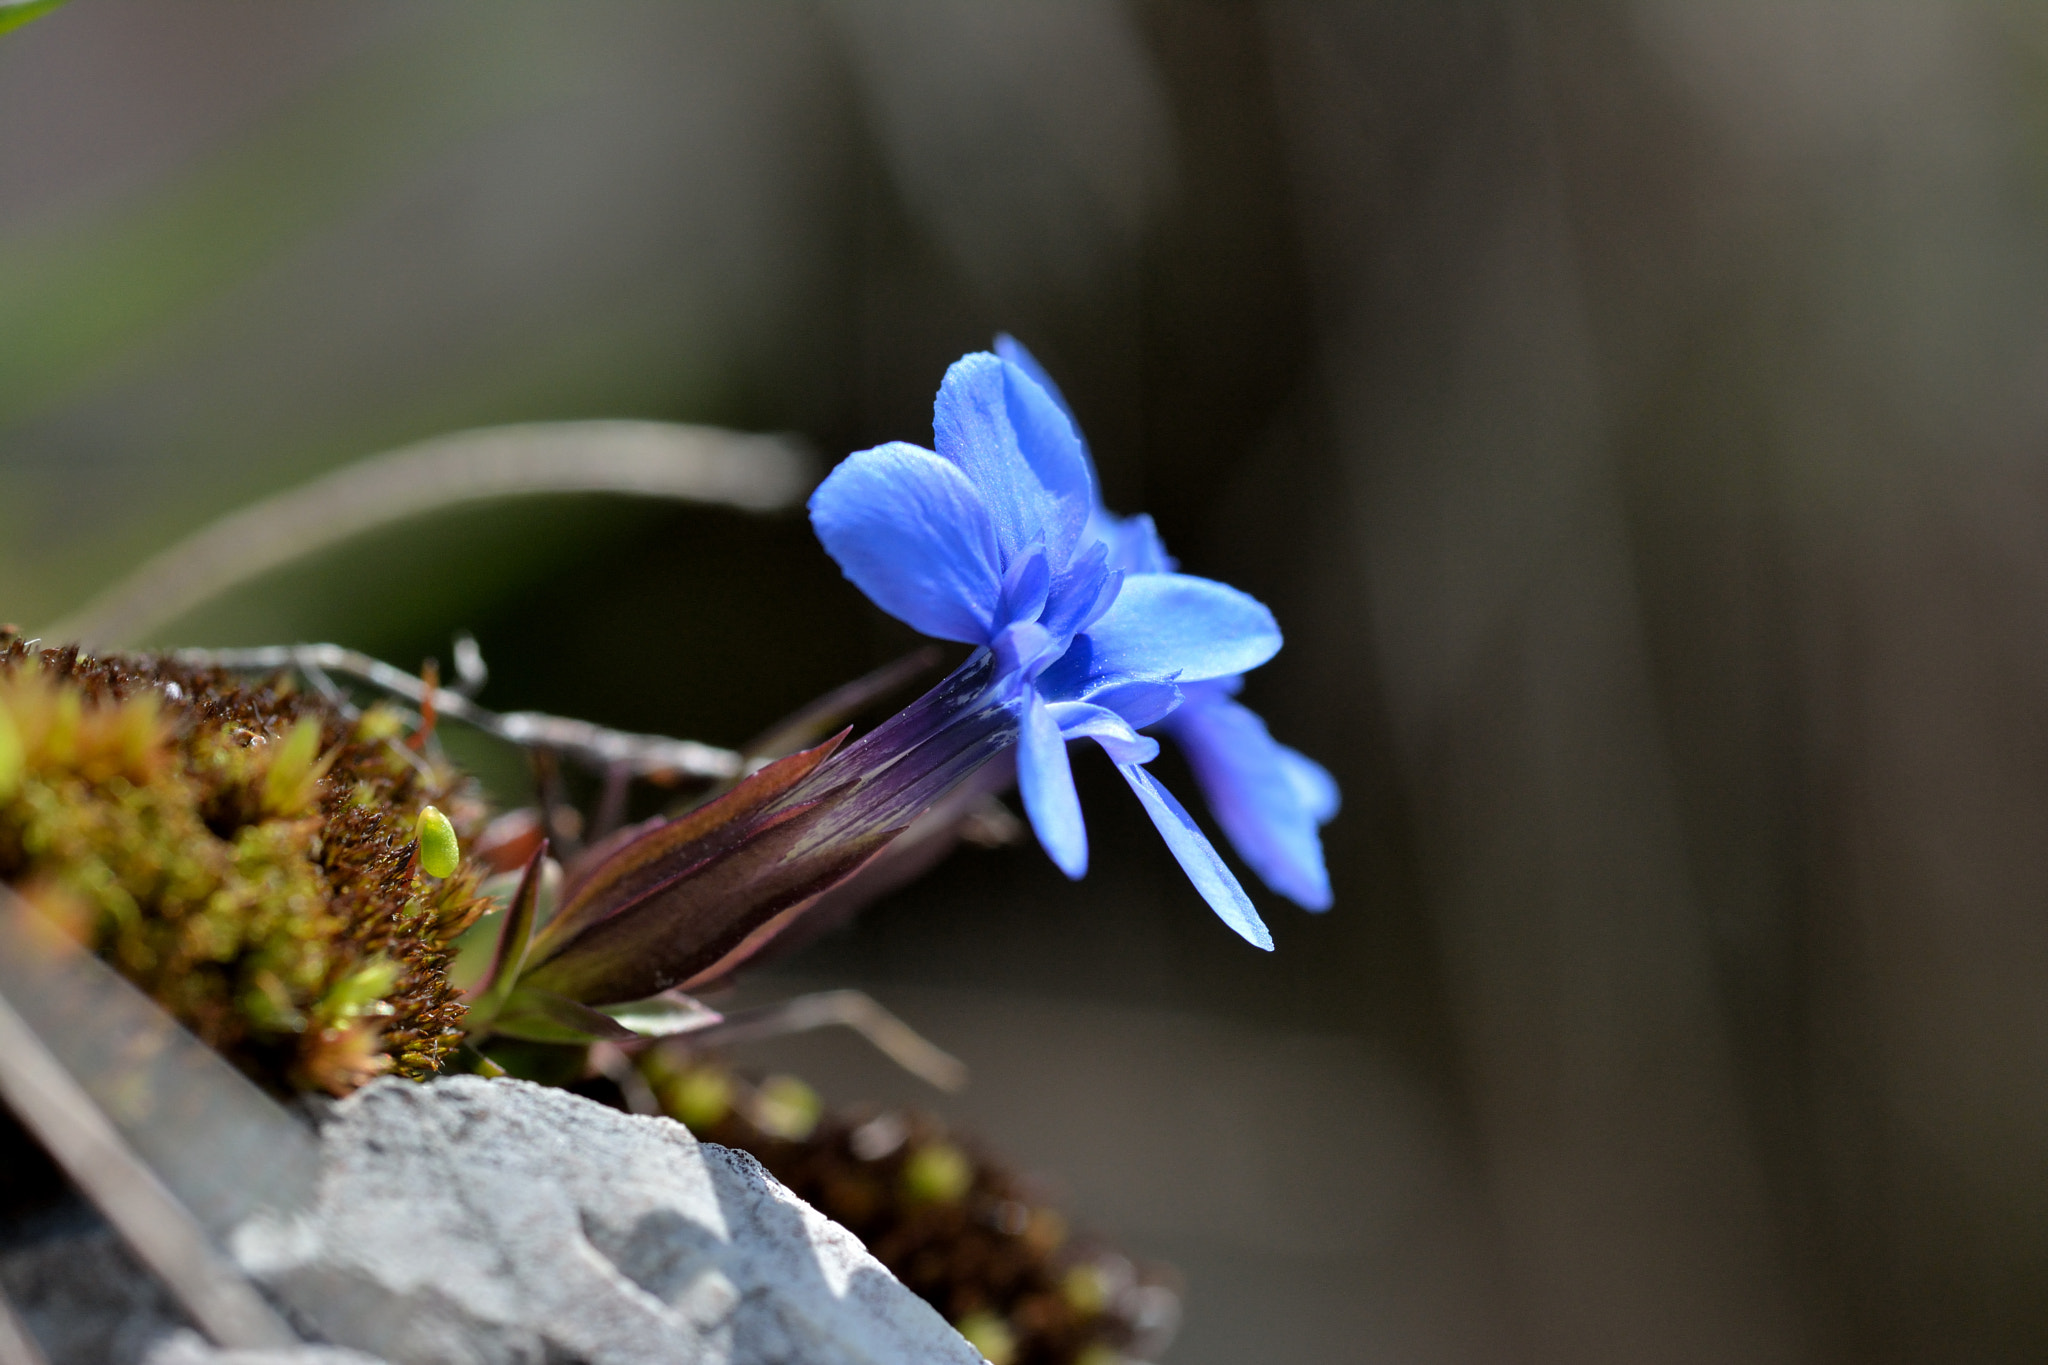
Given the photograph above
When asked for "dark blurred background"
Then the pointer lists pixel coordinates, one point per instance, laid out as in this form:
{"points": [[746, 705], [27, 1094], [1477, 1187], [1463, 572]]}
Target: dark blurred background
{"points": [[1637, 415]]}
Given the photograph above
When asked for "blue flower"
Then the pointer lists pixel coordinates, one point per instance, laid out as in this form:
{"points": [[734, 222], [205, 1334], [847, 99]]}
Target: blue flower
{"points": [[994, 539], [1270, 799]]}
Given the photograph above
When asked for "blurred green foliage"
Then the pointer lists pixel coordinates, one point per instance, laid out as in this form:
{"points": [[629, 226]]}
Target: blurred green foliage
{"points": [[15, 13], [80, 297]]}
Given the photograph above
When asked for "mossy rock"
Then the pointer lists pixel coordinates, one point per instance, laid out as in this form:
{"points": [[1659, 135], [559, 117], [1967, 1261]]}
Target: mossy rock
{"points": [[244, 851]]}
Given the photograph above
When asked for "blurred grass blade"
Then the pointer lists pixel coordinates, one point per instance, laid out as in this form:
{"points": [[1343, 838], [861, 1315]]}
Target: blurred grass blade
{"points": [[645, 459], [17, 1347], [225, 1149], [15, 13], [165, 1139]]}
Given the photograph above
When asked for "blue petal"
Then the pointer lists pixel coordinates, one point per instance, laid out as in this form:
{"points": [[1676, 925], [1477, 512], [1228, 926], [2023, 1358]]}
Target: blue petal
{"points": [[1012, 350], [1268, 798], [1168, 625], [1198, 857], [1046, 781], [1022, 650], [1019, 450], [1312, 784], [1025, 587], [1050, 436], [913, 534], [1140, 701], [1134, 543], [1123, 744], [1083, 593]]}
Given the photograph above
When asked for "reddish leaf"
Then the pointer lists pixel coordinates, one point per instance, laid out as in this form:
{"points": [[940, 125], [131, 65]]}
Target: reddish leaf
{"points": [[694, 922], [634, 863], [514, 940]]}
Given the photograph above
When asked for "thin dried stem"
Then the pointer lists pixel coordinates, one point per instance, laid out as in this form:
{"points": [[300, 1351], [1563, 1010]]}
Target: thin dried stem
{"points": [[601, 748], [856, 1010]]}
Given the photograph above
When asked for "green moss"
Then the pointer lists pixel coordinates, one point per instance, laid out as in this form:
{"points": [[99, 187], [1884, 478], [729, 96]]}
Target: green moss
{"points": [[243, 852]]}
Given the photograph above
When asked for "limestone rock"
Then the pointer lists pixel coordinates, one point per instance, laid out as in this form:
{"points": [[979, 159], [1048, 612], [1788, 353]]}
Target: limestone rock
{"points": [[492, 1222], [81, 1294], [515, 1223], [189, 1348]]}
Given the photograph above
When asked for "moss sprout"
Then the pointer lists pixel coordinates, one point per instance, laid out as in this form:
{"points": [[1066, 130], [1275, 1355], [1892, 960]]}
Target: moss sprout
{"points": [[440, 853]]}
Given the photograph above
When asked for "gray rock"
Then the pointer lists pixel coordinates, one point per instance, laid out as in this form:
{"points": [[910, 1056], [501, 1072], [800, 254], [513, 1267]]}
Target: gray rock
{"points": [[496, 1221], [189, 1348], [475, 1222], [83, 1297]]}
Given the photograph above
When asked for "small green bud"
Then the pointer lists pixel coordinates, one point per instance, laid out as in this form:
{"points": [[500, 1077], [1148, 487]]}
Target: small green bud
{"points": [[939, 1173], [787, 1108], [379, 722], [440, 855], [990, 1335], [1086, 1288], [698, 1099], [13, 758]]}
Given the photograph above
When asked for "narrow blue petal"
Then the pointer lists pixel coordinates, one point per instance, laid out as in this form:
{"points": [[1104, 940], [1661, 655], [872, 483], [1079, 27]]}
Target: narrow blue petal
{"points": [[1022, 650], [1046, 781], [1140, 701], [1262, 793], [1025, 586], [913, 534], [1198, 857], [1312, 784], [1083, 593], [1051, 441], [1166, 625], [1018, 449], [1123, 744]]}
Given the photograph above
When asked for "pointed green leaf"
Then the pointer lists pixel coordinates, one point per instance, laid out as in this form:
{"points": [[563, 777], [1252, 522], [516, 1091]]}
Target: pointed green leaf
{"points": [[514, 941], [542, 1016]]}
